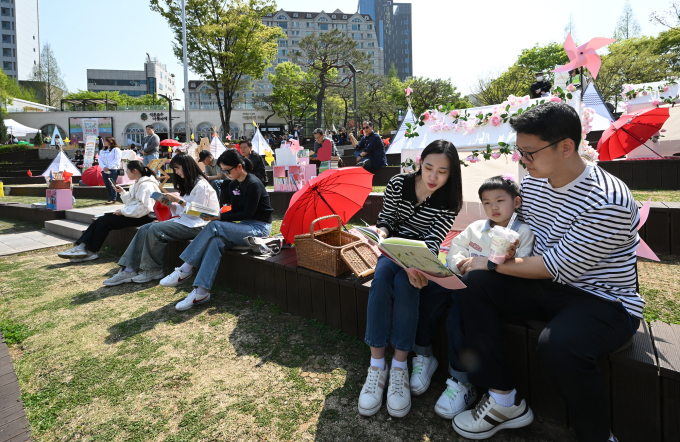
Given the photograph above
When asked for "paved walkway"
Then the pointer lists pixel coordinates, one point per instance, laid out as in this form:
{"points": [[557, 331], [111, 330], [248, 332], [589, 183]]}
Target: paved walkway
{"points": [[13, 243]]}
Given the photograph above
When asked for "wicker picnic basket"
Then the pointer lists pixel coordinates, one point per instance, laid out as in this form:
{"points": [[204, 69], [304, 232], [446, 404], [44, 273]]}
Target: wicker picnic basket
{"points": [[320, 251], [59, 184], [360, 258]]}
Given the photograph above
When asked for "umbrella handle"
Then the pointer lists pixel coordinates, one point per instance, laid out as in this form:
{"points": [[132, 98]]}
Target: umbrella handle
{"points": [[638, 139]]}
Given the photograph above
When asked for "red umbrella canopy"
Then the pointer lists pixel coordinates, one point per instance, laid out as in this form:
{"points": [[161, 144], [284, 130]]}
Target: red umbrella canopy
{"points": [[336, 191], [631, 131], [93, 176], [170, 142]]}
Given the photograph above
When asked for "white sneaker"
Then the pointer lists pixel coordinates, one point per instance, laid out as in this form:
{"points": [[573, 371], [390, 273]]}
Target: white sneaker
{"points": [[175, 277], [455, 399], [371, 397], [89, 257], [398, 393], [488, 418], [120, 278], [421, 376], [146, 276], [75, 252], [193, 299]]}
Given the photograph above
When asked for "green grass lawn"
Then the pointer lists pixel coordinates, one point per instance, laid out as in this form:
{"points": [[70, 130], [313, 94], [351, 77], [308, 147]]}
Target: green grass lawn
{"points": [[8, 226], [80, 202], [657, 195]]}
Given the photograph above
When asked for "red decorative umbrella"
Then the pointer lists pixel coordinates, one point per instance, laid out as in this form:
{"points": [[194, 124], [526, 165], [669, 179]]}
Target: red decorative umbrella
{"points": [[631, 131], [335, 192], [93, 176], [170, 142]]}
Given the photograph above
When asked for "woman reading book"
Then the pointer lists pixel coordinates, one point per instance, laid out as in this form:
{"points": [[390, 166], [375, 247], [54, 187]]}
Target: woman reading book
{"points": [[420, 206], [145, 252], [250, 206]]}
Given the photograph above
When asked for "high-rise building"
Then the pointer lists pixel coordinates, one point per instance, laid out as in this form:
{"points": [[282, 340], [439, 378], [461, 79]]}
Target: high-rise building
{"points": [[154, 78], [20, 26], [393, 24]]}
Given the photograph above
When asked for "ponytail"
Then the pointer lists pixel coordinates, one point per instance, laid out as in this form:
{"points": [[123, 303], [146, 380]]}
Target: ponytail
{"points": [[139, 167]]}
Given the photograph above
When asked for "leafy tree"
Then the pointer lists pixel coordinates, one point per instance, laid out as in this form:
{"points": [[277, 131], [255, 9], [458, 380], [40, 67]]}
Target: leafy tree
{"points": [[542, 58], [9, 88], [393, 72], [378, 103], [627, 26], [265, 103], [495, 89], [48, 73], [345, 93], [668, 41], [324, 54], [37, 141], [3, 128], [120, 99], [227, 43], [293, 92], [428, 93], [669, 19]]}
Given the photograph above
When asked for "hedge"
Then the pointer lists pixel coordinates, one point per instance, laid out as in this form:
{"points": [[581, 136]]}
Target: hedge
{"points": [[5, 148]]}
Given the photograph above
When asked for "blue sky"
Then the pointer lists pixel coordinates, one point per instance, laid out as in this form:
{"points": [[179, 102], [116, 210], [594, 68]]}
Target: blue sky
{"points": [[457, 40]]}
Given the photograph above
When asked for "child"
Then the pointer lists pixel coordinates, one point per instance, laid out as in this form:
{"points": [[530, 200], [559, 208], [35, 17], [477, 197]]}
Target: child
{"points": [[500, 197]]}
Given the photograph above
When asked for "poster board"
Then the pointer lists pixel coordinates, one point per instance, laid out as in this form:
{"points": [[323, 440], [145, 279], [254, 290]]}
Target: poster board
{"points": [[88, 157], [81, 128]]}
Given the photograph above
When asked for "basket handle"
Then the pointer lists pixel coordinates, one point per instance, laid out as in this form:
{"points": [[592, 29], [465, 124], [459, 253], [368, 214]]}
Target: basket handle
{"points": [[311, 228]]}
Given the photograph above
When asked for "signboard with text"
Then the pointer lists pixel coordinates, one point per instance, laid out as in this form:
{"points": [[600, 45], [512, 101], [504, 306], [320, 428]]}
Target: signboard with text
{"points": [[81, 128], [88, 158]]}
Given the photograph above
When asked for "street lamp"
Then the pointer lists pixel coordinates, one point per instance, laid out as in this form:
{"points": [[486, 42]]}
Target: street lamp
{"points": [[170, 100], [354, 75], [187, 133]]}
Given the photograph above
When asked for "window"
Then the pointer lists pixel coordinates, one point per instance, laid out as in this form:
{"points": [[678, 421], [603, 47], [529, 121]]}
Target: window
{"points": [[7, 25], [356, 36], [343, 26], [7, 52], [323, 26], [295, 15], [367, 17], [6, 38], [7, 65], [308, 33], [406, 60], [283, 24], [406, 32], [371, 53], [333, 16], [283, 43], [5, 12], [406, 70], [283, 60], [356, 27], [405, 51], [371, 45], [282, 17], [406, 41], [344, 17], [369, 35], [282, 52], [369, 27], [405, 22], [357, 20], [323, 19], [295, 24], [310, 25]]}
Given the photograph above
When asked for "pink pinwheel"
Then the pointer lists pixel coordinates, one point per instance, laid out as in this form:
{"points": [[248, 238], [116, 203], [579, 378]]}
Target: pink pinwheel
{"points": [[643, 249], [584, 55]]}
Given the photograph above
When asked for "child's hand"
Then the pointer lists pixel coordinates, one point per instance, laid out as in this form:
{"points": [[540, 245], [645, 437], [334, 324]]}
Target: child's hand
{"points": [[512, 249]]}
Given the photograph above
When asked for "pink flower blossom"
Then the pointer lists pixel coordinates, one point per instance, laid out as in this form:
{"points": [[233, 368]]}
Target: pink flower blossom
{"points": [[454, 113], [496, 120], [408, 91], [665, 89], [673, 77], [472, 159], [509, 177], [516, 156], [496, 155], [571, 88], [418, 159], [556, 99], [655, 102], [426, 116]]}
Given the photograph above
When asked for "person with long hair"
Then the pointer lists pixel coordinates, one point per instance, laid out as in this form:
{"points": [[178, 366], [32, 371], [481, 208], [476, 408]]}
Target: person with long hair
{"points": [[110, 164], [143, 259], [135, 212], [420, 206], [250, 206]]}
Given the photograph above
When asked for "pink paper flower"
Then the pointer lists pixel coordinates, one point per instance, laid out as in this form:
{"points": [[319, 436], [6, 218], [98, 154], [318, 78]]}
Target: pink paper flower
{"points": [[571, 88], [426, 116], [496, 155], [516, 156], [665, 89], [454, 113], [418, 159], [228, 137], [673, 77], [236, 192], [556, 99], [472, 159], [408, 91], [496, 120], [655, 102], [509, 177]]}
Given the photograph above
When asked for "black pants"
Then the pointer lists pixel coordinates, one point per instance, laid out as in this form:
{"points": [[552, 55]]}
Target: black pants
{"points": [[96, 233], [112, 174], [581, 329]]}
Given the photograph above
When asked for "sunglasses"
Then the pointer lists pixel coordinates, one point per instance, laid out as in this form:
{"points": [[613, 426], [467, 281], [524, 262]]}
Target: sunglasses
{"points": [[366, 127], [530, 155], [228, 171]]}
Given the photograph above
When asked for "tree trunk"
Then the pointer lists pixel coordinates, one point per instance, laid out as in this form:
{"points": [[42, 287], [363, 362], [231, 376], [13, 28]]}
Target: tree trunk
{"points": [[319, 99]]}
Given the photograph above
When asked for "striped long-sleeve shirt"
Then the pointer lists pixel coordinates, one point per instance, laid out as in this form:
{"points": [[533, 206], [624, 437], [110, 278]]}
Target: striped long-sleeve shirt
{"points": [[587, 234], [404, 218]]}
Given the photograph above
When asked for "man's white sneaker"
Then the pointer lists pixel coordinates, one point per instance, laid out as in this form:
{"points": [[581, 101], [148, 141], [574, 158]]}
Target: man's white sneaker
{"points": [[175, 277], [193, 299], [120, 278], [398, 393], [455, 399], [421, 376], [488, 418], [89, 257], [78, 251], [371, 397], [146, 276]]}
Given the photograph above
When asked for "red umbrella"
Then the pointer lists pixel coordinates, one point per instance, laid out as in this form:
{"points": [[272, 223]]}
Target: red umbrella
{"points": [[335, 192], [631, 131], [93, 176], [170, 142]]}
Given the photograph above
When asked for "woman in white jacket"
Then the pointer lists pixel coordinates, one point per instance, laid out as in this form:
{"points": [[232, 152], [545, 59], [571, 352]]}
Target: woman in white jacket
{"points": [[110, 163], [135, 212], [143, 259]]}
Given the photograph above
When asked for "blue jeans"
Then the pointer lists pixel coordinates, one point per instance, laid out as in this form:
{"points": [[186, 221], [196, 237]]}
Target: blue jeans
{"points": [[217, 185], [433, 304], [392, 316], [148, 158], [206, 250], [112, 174]]}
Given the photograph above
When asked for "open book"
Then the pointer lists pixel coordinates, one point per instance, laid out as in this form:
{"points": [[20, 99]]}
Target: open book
{"points": [[413, 256], [194, 209]]}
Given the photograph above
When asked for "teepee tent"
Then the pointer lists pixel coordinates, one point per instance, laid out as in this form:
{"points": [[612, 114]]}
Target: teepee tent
{"points": [[216, 146], [62, 164], [592, 98], [400, 139], [58, 141], [259, 143]]}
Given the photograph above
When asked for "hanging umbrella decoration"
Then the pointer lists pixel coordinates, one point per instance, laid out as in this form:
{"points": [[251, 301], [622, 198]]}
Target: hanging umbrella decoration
{"points": [[339, 192], [631, 131]]}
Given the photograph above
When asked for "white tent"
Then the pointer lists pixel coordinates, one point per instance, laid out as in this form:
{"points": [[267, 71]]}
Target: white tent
{"points": [[592, 98], [400, 139], [54, 136], [60, 164], [216, 146], [18, 129], [259, 143]]}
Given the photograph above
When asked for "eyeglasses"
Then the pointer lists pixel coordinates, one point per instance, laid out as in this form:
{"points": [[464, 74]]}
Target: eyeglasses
{"points": [[366, 127], [530, 155], [228, 171]]}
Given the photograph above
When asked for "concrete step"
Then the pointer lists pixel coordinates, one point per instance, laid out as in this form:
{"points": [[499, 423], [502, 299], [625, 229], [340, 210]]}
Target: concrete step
{"points": [[66, 228], [85, 215]]}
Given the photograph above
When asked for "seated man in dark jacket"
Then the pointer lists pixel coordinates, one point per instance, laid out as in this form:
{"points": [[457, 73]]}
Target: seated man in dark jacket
{"points": [[542, 86], [370, 147], [255, 158]]}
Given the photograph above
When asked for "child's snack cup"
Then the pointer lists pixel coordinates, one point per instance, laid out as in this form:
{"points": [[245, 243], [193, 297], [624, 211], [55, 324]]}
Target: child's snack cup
{"points": [[501, 239]]}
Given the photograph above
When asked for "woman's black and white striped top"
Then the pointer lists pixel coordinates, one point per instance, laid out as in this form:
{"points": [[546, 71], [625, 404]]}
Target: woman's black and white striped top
{"points": [[587, 234], [431, 221]]}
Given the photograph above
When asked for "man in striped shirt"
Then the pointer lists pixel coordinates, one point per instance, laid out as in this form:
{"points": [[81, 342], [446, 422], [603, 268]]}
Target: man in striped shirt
{"points": [[581, 281]]}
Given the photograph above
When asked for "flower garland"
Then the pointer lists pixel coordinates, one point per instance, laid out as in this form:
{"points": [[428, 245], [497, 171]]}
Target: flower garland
{"points": [[629, 93]]}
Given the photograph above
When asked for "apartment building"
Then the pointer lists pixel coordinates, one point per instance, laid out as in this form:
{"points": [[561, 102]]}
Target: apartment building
{"points": [[20, 26], [154, 78]]}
